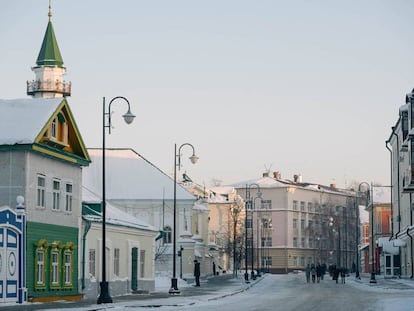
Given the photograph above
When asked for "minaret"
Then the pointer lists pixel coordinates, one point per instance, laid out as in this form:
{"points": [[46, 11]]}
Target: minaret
{"points": [[49, 69]]}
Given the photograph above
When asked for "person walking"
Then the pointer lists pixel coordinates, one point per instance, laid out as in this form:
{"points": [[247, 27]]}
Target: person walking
{"points": [[313, 273], [308, 272], [214, 268], [197, 272], [343, 275], [318, 273]]}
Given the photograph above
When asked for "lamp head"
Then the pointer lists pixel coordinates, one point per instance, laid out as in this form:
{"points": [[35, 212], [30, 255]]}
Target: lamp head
{"points": [[194, 159], [128, 117]]}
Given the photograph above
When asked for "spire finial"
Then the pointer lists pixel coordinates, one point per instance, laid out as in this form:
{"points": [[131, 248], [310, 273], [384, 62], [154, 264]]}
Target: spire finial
{"points": [[50, 10]]}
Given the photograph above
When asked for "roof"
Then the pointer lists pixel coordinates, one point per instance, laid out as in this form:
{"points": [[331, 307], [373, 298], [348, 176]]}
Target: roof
{"points": [[49, 54], [129, 176], [24, 122], [115, 216]]}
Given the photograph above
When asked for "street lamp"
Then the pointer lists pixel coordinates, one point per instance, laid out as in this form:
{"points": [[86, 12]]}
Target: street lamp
{"points": [[104, 296], [259, 196], [248, 206], [358, 224], [177, 163], [332, 222]]}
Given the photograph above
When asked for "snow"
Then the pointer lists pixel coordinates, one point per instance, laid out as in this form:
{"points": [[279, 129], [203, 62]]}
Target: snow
{"points": [[21, 120], [129, 176]]}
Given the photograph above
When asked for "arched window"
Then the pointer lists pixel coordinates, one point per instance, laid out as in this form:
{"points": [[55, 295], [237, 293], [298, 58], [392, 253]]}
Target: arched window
{"points": [[167, 237]]}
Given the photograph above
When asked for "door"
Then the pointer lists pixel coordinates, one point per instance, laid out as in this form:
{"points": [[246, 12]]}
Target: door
{"points": [[134, 268], [9, 271]]}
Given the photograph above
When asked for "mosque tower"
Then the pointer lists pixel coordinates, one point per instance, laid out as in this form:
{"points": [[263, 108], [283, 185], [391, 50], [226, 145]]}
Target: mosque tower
{"points": [[49, 69]]}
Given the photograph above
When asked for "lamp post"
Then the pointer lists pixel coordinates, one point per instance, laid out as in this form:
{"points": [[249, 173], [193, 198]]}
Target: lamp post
{"points": [[257, 239], [358, 224], [248, 206], [177, 163], [332, 222], [104, 296]]}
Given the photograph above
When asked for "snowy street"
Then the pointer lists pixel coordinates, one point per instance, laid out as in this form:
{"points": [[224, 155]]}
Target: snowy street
{"points": [[272, 292]]}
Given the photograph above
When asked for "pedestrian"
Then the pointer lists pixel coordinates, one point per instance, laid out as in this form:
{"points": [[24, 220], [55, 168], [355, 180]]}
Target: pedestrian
{"points": [[318, 272], [343, 274], [308, 272], [313, 273], [214, 268], [197, 272]]}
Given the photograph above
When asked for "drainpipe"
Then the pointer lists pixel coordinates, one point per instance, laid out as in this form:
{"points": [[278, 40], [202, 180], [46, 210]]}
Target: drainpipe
{"points": [[411, 243], [392, 205], [398, 182], [87, 227]]}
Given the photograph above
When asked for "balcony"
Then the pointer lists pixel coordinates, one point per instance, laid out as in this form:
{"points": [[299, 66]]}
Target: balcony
{"points": [[60, 87]]}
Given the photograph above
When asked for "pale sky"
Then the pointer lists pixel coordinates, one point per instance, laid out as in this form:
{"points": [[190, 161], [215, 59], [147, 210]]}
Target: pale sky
{"points": [[301, 87]]}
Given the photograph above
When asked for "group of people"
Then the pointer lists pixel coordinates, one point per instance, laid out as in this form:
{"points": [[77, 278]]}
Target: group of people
{"points": [[315, 272]]}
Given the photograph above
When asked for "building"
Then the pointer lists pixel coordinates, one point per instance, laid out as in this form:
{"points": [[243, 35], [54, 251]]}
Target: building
{"points": [[294, 223], [130, 250], [400, 144], [226, 214], [42, 155], [139, 188]]}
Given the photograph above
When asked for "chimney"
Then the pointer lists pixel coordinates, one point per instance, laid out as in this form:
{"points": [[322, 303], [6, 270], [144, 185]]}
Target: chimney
{"points": [[297, 178], [277, 175], [333, 186], [266, 174]]}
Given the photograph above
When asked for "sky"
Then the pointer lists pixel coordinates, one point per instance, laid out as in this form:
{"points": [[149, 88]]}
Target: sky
{"points": [[299, 87]]}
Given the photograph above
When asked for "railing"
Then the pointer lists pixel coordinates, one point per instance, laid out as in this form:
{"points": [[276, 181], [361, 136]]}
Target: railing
{"points": [[38, 86]]}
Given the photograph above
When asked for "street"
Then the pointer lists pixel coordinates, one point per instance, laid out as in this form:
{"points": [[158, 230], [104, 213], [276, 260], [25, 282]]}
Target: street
{"points": [[271, 292], [291, 292]]}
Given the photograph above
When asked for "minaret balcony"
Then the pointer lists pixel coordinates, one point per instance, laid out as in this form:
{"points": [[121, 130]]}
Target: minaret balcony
{"points": [[59, 87]]}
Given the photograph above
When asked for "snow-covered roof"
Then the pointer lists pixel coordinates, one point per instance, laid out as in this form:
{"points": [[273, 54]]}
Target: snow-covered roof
{"points": [[264, 182], [129, 176], [21, 120], [115, 216]]}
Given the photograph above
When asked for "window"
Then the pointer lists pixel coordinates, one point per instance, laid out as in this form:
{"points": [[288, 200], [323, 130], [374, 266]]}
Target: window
{"points": [[54, 261], [295, 242], [41, 191], [310, 207], [40, 267], [92, 262], [302, 224], [68, 198], [54, 129], [266, 204], [295, 223], [68, 268], [142, 263], [56, 195], [266, 241], [167, 235], [295, 205], [302, 242], [249, 223], [302, 206], [302, 261], [295, 261], [266, 261], [116, 261]]}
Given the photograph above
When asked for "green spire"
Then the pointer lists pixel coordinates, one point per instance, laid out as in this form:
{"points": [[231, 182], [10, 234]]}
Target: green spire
{"points": [[49, 54]]}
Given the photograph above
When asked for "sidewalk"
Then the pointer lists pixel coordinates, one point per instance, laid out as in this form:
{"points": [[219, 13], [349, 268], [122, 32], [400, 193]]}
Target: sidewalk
{"points": [[211, 288], [382, 283]]}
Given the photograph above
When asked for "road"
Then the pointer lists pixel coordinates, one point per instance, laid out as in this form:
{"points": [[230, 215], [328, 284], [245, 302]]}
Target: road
{"points": [[291, 292]]}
